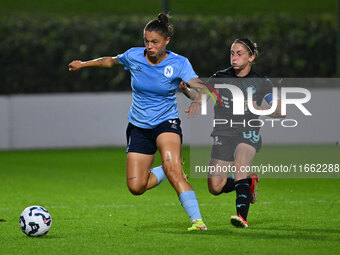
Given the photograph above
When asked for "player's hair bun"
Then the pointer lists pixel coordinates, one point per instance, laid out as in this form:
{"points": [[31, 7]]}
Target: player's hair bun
{"points": [[163, 18], [160, 25]]}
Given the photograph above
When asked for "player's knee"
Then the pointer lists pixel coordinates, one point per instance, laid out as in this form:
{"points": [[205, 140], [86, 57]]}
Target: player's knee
{"points": [[136, 189], [136, 192], [214, 190], [174, 176], [215, 185]]}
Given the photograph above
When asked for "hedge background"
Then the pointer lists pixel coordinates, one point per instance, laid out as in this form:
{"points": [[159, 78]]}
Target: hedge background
{"points": [[35, 49]]}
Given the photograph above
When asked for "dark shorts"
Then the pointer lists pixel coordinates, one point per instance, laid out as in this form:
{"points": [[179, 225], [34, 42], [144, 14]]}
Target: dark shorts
{"points": [[224, 147], [143, 140]]}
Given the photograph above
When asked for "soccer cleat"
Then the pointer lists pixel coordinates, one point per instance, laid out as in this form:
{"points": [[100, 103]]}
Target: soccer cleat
{"points": [[197, 225], [253, 187], [238, 221]]}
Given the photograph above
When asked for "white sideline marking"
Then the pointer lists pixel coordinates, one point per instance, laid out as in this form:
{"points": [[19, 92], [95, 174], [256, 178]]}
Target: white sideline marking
{"points": [[172, 204]]}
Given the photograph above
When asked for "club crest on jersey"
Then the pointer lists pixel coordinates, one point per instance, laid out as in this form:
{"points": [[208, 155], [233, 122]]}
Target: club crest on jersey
{"points": [[168, 71]]}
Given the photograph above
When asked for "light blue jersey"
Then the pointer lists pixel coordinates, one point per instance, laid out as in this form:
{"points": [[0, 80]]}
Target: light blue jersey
{"points": [[154, 87]]}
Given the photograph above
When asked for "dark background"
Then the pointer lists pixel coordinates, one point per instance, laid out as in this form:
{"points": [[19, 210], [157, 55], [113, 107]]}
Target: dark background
{"points": [[39, 39]]}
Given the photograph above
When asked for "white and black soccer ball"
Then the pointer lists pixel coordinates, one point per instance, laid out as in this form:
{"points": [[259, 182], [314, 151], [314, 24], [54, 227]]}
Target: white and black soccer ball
{"points": [[35, 221]]}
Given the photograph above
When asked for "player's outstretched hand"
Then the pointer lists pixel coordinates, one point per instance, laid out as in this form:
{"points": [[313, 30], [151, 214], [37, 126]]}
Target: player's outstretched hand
{"points": [[74, 65], [193, 109]]}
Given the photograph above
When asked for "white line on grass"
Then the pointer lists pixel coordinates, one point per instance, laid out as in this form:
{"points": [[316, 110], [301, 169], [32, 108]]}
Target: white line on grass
{"points": [[170, 204]]}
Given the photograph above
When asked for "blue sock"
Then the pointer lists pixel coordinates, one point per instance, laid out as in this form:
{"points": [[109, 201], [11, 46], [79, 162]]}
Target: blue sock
{"points": [[159, 173], [189, 202]]}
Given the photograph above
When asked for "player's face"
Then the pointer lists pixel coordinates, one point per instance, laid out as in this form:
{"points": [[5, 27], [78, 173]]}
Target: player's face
{"points": [[240, 58], [155, 43]]}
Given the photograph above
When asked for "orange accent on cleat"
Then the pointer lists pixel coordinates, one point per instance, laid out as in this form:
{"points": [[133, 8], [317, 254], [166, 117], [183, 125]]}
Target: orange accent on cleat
{"points": [[238, 221], [253, 187]]}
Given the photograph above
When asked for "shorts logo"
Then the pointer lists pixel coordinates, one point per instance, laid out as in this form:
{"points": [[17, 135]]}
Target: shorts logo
{"points": [[168, 71], [174, 124], [216, 141], [251, 136]]}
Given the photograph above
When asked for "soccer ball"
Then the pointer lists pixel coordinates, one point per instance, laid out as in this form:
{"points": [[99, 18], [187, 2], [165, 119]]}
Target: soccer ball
{"points": [[35, 221]]}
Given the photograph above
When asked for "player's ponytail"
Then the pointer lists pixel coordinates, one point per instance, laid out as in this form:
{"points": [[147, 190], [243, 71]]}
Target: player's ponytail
{"points": [[160, 25]]}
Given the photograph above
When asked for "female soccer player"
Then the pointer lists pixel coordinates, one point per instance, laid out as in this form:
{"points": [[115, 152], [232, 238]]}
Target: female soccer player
{"points": [[153, 117], [236, 145]]}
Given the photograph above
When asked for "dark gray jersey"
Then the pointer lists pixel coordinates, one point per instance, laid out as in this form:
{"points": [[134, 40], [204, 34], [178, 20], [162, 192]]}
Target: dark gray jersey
{"points": [[238, 124]]}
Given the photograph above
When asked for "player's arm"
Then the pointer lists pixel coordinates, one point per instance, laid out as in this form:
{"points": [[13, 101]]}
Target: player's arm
{"points": [[104, 62], [196, 89], [187, 91], [276, 114], [197, 86], [269, 99]]}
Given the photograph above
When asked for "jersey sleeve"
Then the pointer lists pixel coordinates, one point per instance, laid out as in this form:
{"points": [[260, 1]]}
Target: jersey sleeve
{"points": [[187, 73], [124, 60]]}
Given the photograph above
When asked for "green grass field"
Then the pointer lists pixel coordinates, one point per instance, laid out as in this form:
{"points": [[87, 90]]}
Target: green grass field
{"points": [[177, 7], [94, 213]]}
